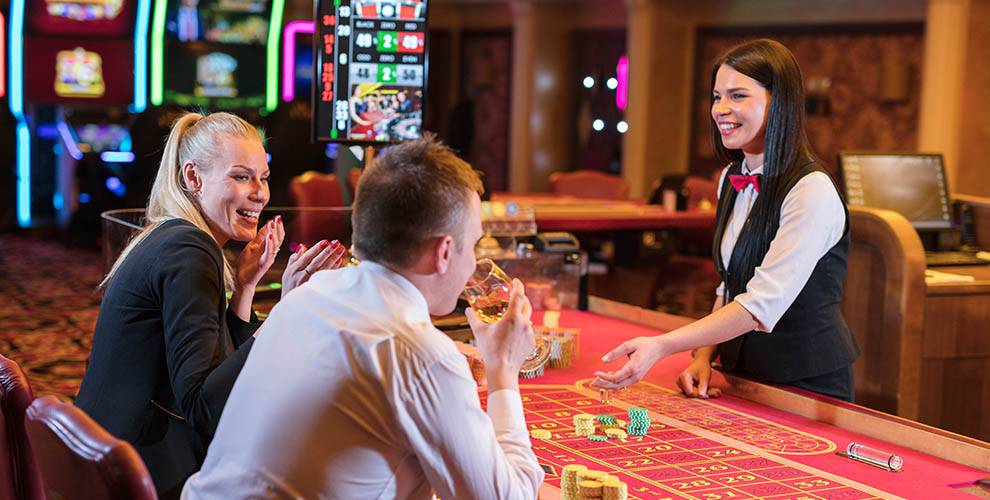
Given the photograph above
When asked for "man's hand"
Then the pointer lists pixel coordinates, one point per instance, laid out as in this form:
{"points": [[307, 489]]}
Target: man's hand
{"points": [[643, 352], [507, 343]]}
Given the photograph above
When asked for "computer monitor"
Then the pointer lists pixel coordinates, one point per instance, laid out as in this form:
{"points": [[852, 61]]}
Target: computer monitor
{"points": [[912, 184]]}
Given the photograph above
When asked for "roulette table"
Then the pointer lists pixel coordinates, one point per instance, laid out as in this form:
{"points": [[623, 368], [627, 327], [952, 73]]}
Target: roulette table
{"points": [[756, 441]]}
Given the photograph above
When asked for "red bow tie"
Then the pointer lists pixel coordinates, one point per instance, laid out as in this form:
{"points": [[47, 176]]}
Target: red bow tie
{"points": [[741, 181]]}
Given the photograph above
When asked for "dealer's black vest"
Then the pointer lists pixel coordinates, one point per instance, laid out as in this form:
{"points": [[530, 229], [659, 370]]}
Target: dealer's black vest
{"points": [[811, 338]]}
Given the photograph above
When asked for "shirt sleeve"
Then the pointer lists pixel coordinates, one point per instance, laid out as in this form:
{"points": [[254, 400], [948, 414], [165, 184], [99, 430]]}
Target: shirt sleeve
{"points": [[465, 452], [241, 331], [200, 371], [812, 221]]}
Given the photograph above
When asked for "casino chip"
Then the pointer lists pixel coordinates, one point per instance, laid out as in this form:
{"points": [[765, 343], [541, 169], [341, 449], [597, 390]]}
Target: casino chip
{"points": [[540, 434], [616, 434], [590, 489]]}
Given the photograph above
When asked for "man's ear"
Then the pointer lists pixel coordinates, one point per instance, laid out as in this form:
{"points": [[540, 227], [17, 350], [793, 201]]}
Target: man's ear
{"points": [[191, 177], [443, 253]]}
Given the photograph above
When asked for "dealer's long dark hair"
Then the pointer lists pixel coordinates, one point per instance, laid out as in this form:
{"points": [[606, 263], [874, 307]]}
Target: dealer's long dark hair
{"points": [[787, 153]]}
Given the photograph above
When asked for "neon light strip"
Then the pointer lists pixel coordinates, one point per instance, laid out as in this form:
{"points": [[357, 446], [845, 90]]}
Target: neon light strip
{"points": [[289, 56], [271, 76], [70, 142], [157, 52], [141, 56], [16, 99], [3, 57], [117, 157], [17, 58], [23, 174], [622, 74]]}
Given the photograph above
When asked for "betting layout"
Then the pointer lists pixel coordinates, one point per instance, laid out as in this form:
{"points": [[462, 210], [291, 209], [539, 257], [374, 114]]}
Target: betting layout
{"points": [[704, 456], [371, 66]]}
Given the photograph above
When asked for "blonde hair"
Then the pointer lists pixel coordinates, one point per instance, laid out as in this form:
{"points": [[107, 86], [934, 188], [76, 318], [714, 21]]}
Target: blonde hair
{"points": [[194, 138]]}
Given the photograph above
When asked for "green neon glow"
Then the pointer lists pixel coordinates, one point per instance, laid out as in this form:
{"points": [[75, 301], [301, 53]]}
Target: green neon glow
{"points": [[271, 77], [157, 52]]}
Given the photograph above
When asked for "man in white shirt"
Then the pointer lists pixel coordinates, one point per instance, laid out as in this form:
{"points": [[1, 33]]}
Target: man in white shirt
{"points": [[350, 392]]}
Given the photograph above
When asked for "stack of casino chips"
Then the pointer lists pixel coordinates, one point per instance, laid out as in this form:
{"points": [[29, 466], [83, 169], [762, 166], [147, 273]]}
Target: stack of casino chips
{"points": [[563, 344], [584, 424], [577, 482], [569, 481], [614, 489], [639, 421], [607, 421], [589, 489]]}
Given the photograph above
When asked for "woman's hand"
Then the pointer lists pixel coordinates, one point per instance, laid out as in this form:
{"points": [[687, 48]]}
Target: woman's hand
{"points": [[643, 352], [693, 381], [259, 254], [303, 263]]}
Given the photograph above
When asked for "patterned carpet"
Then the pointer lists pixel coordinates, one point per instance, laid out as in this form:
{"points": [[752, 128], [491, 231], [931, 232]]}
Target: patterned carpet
{"points": [[48, 309]]}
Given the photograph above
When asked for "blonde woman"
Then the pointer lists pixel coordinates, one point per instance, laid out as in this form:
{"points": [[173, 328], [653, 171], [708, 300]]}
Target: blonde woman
{"points": [[168, 346]]}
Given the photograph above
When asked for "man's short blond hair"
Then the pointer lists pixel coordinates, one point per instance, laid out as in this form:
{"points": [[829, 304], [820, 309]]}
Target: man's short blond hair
{"points": [[412, 192]]}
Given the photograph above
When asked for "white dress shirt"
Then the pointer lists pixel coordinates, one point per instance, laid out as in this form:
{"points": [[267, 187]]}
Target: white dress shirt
{"points": [[812, 220], [350, 392]]}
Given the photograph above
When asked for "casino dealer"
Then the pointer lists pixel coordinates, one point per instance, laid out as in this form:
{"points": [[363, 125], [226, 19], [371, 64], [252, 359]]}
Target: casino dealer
{"points": [[781, 240]]}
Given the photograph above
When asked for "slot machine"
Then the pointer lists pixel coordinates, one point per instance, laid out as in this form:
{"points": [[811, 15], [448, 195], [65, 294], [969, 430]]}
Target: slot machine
{"points": [[77, 69]]}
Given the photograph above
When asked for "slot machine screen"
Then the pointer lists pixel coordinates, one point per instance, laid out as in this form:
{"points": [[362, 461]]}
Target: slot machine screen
{"points": [[78, 71], [371, 67], [99, 137], [215, 53], [216, 75], [242, 22], [92, 18]]}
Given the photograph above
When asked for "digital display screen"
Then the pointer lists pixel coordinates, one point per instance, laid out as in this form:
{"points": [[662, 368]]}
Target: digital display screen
{"points": [[92, 18], [99, 137], [302, 70], [214, 53], [78, 71], [222, 21], [912, 185], [371, 70], [216, 75]]}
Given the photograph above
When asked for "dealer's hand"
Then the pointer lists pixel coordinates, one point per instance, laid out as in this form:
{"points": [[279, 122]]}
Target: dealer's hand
{"points": [[693, 381], [643, 353]]}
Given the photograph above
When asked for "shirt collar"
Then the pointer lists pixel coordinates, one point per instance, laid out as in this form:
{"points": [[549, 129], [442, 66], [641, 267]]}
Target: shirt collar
{"points": [[418, 308], [747, 171]]}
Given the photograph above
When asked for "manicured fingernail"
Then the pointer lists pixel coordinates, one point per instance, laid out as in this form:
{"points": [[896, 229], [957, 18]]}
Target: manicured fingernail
{"points": [[335, 242], [278, 218], [324, 243]]}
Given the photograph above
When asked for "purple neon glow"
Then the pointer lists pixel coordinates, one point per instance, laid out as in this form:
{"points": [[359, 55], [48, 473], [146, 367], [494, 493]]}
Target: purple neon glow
{"points": [[289, 55], [621, 74]]}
